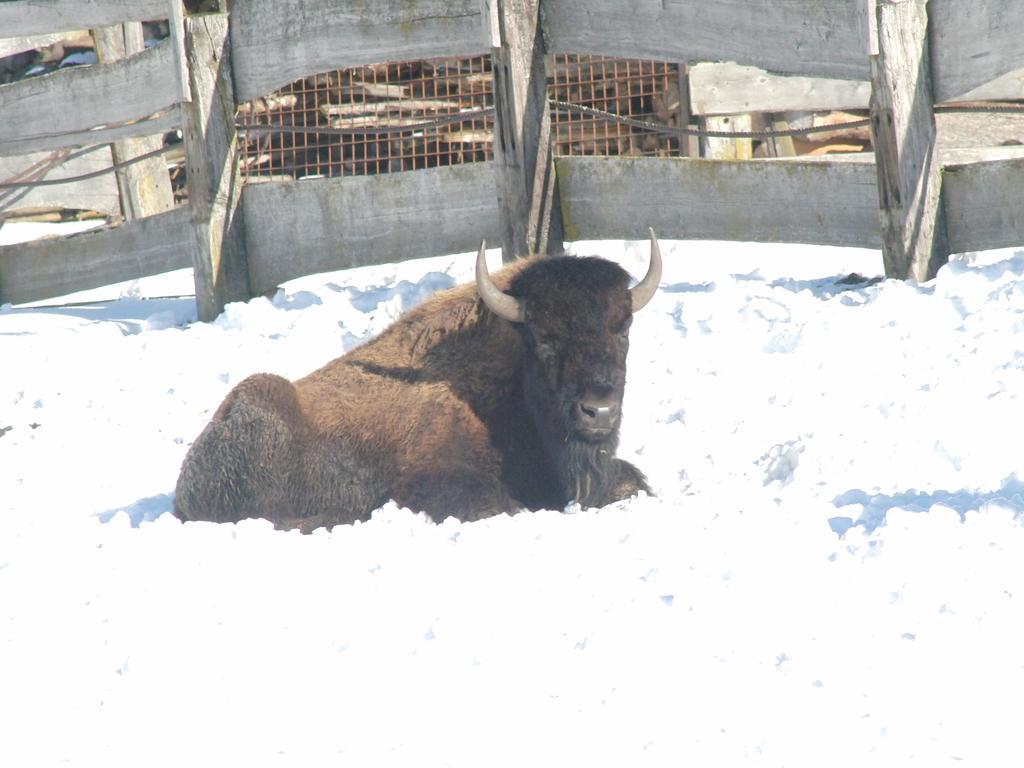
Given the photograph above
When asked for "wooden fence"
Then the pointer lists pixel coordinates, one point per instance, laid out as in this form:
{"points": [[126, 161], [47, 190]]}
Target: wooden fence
{"points": [[916, 204]]}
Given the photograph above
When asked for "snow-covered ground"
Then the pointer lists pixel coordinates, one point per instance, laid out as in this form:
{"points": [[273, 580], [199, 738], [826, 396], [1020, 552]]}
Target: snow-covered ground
{"points": [[831, 573]]}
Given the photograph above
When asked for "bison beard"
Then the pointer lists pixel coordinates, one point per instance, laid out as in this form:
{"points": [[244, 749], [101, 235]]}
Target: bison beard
{"points": [[485, 399], [589, 471]]}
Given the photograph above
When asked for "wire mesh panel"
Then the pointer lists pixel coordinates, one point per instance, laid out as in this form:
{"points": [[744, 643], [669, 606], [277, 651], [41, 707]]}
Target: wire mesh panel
{"points": [[420, 114], [637, 89], [373, 119]]}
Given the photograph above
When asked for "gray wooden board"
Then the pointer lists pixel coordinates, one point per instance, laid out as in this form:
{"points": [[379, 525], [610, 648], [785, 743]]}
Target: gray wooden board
{"points": [[43, 269], [214, 176], [522, 147], [158, 125], [825, 200], [817, 38], [729, 88], [914, 243], [974, 42], [38, 17], [984, 205], [72, 100], [12, 45], [96, 194], [144, 186], [277, 41], [1007, 87], [791, 201], [318, 225]]}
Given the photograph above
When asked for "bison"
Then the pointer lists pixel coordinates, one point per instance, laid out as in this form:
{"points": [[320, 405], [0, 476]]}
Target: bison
{"points": [[487, 398]]}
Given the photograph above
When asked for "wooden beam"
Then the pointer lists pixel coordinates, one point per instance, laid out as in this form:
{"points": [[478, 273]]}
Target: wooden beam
{"points": [[12, 45], [914, 243], [728, 88], [727, 149], [95, 194], [689, 146], [278, 41], [527, 186], [973, 44], [43, 269], [782, 201], [817, 38], [56, 109], [176, 28], [145, 186], [984, 202], [40, 17], [214, 178], [159, 123], [297, 228]]}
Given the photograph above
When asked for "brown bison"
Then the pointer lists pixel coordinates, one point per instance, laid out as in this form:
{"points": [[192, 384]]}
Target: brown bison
{"points": [[485, 399]]}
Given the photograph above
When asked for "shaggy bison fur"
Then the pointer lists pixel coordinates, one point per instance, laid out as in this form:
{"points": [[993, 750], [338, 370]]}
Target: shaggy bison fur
{"points": [[485, 399]]}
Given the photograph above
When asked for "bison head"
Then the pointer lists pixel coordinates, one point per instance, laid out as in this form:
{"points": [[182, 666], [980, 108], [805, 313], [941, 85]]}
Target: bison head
{"points": [[573, 316]]}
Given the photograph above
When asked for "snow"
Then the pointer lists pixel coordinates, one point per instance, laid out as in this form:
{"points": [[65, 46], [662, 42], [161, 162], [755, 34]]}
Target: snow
{"points": [[830, 573]]}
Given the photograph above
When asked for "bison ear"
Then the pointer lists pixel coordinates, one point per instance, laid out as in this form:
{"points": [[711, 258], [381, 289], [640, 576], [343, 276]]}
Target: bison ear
{"points": [[644, 291], [508, 307]]}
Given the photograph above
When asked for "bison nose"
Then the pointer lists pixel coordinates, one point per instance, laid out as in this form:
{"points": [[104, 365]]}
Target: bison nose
{"points": [[597, 412]]}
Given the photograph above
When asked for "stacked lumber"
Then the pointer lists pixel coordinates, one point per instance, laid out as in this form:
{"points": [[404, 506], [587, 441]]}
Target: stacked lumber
{"points": [[642, 90], [395, 117], [375, 119]]}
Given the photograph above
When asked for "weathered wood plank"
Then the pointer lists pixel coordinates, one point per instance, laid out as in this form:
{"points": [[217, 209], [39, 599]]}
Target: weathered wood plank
{"points": [[176, 28], [278, 41], [1008, 87], [42, 269], [689, 146], [729, 88], [215, 183], [40, 110], [817, 38], [790, 201], [914, 241], [298, 228], [11, 45], [97, 194], [727, 149], [39, 17], [973, 43], [158, 124], [984, 204], [145, 186], [527, 187]]}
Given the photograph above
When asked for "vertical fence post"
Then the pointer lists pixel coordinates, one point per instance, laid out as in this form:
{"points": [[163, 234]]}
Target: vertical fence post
{"points": [[527, 188], [176, 22], [689, 146], [914, 242], [145, 187], [728, 149], [214, 178]]}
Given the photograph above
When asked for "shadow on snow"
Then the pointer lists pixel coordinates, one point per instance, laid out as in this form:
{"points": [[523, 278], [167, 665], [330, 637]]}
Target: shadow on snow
{"points": [[876, 506], [142, 511]]}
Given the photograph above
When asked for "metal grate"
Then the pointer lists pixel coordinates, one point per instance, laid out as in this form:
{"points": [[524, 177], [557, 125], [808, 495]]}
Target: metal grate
{"points": [[401, 116], [372, 120], [644, 90]]}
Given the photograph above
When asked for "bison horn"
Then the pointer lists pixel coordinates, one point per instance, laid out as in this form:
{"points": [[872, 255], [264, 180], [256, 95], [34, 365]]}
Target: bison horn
{"points": [[644, 291], [508, 307]]}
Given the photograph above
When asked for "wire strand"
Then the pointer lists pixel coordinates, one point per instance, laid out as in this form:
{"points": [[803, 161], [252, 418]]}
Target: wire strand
{"points": [[90, 174], [560, 106]]}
